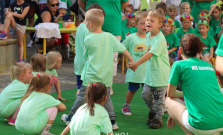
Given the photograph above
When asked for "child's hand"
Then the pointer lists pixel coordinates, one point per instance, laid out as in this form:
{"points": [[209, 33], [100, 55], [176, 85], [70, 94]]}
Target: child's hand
{"points": [[213, 6], [170, 123], [60, 98], [133, 66]]}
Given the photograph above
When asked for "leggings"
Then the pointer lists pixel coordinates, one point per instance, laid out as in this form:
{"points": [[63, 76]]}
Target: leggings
{"points": [[52, 112]]}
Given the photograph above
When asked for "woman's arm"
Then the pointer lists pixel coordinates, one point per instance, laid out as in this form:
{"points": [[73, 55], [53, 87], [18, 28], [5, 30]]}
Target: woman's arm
{"points": [[61, 107], [24, 13], [172, 92]]}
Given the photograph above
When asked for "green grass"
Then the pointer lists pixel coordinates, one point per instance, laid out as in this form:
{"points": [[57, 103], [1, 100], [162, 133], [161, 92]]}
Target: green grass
{"points": [[128, 125]]}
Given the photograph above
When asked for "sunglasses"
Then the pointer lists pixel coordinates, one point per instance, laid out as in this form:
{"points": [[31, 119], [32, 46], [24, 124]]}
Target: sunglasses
{"points": [[53, 5]]}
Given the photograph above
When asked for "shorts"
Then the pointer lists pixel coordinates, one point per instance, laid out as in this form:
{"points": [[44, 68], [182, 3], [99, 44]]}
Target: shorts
{"points": [[64, 39], [20, 28], [79, 81], [134, 86], [186, 124]]}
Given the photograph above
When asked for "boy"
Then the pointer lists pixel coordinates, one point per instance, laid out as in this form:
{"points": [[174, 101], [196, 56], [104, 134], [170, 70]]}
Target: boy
{"points": [[158, 69], [172, 13], [184, 9], [136, 44], [98, 68]]}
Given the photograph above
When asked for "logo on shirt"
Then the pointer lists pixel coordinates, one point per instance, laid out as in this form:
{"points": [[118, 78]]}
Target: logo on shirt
{"points": [[139, 50]]}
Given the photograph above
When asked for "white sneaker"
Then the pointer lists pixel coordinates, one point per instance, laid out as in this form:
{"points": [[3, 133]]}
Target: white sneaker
{"points": [[66, 119], [115, 126], [30, 44]]}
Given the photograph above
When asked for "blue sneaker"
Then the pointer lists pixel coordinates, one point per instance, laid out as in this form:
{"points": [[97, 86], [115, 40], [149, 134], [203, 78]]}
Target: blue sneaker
{"points": [[3, 35], [66, 119]]}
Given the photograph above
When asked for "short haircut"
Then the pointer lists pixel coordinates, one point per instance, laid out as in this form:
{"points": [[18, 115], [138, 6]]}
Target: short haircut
{"points": [[139, 15], [158, 14], [95, 16], [171, 7], [96, 6]]}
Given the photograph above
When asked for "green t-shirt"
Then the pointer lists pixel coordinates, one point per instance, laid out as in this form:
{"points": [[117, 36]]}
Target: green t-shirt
{"points": [[137, 48], [218, 29], [200, 5], [10, 98], [158, 66], [172, 41], [52, 72], [99, 49], [208, 41], [84, 124], [202, 95], [210, 31], [113, 18], [127, 31], [177, 24], [214, 24], [32, 116], [219, 50], [181, 32], [79, 60]]}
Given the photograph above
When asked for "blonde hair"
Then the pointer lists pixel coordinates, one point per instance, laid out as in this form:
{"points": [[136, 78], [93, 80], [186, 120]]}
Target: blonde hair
{"points": [[158, 14], [52, 59], [183, 4], [38, 62], [95, 16], [39, 82], [18, 69], [171, 7], [139, 15]]}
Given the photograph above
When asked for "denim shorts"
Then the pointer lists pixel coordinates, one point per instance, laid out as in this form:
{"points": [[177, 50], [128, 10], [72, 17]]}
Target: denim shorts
{"points": [[134, 86]]}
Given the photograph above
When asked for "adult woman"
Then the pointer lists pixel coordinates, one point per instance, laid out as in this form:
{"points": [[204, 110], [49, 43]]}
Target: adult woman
{"points": [[202, 113]]}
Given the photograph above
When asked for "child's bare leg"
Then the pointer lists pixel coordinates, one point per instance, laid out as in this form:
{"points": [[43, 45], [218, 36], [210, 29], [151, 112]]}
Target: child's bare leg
{"points": [[9, 21], [129, 96], [20, 37]]}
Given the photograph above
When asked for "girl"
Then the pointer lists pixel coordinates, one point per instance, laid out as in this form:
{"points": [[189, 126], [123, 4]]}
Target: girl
{"points": [[129, 9], [219, 29], [38, 62], [186, 26], [208, 49], [202, 111], [10, 97], [53, 62], [91, 118], [171, 39], [38, 109], [16, 18], [162, 7], [216, 14], [129, 27]]}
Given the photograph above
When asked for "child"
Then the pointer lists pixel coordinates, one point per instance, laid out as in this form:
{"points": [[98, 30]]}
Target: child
{"points": [[208, 50], [16, 18], [80, 60], [162, 7], [10, 97], [158, 69], [186, 26], [184, 9], [219, 29], [216, 14], [63, 17], [38, 109], [91, 118], [98, 68], [129, 27], [128, 10], [38, 62], [172, 13], [136, 45], [171, 39], [53, 62]]}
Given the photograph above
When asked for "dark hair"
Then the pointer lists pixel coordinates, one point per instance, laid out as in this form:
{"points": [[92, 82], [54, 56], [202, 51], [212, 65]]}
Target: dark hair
{"points": [[129, 6], [191, 45], [163, 6], [95, 93], [95, 6], [38, 62]]}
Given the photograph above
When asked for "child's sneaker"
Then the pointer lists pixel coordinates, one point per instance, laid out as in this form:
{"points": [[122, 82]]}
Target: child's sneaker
{"points": [[66, 119], [151, 116], [11, 121], [114, 125], [126, 110], [156, 123], [3, 35]]}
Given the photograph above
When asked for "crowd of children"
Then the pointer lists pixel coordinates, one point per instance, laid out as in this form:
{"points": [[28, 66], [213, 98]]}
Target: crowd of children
{"points": [[152, 41]]}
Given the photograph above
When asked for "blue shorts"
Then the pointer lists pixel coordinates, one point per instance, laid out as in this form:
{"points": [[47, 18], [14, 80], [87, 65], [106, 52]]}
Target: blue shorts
{"points": [[134, 86], [79, 81]]}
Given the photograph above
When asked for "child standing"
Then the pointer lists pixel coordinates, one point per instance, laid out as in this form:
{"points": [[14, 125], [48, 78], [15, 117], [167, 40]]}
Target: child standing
{"points": [[171, 39], [98, 68], [172, 13], [129, 28], [38, 109], [10, 97], [16, 19], [38, 62], [158, 69], [136, 45], [53, 62], [186, 26], [63, 17], [91, 118], [208, 49]]}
